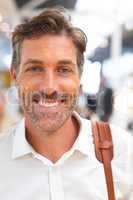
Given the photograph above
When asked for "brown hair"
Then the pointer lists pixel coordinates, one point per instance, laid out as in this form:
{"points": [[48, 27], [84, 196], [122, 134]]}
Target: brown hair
{"points": [[50, 21]]}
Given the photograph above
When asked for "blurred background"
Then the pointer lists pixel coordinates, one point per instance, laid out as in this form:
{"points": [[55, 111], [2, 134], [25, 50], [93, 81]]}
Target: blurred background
{"points": [[106, 92]]}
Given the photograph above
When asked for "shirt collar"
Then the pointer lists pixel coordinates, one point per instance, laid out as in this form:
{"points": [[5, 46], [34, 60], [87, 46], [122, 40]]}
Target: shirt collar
{"points": [[83, 142], [20, 145]]}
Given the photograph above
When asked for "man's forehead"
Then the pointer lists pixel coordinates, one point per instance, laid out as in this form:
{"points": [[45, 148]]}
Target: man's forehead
{"points": [[49, 47], [48, 39]]}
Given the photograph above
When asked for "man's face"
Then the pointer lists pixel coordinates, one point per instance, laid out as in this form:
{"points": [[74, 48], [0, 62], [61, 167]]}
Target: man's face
{"points": [[48, 81]]}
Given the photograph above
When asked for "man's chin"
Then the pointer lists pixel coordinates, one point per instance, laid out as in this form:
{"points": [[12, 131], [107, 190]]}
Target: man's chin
{"points": [[48, 129], [51, 123]]}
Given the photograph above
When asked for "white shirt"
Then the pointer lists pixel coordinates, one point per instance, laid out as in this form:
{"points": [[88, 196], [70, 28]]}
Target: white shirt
{"points": [[78, 175]]}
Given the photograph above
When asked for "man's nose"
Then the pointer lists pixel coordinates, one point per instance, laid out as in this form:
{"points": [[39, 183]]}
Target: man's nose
{"points": [[50, 83]]}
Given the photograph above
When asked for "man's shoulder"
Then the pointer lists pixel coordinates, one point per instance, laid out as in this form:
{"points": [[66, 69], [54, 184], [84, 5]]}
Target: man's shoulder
{"points": [[6, 140], [7, 132], [10, 130], [120, 134], [4, 135], [122, 140]]}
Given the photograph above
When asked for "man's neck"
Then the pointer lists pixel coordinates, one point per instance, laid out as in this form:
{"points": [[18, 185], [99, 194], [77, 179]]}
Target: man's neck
{"points": [[53, 146]]}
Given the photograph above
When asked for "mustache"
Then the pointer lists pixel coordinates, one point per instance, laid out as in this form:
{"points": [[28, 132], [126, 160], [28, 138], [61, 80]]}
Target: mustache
{"points": [[37, 96], [54, 96]]}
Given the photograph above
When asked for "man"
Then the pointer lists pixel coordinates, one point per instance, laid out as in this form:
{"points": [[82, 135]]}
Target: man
{"points": [[50, 153]]}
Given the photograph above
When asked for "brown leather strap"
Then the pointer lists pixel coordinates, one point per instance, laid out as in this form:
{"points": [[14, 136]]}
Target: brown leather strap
{"points": [[104, 152]]}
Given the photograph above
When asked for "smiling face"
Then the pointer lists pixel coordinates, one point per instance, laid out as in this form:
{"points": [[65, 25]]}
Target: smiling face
{"points": [[48, 81]]}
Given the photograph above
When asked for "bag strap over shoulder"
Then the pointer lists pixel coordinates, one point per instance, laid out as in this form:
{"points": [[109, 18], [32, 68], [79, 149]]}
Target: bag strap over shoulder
{"points": [[104, 152]]}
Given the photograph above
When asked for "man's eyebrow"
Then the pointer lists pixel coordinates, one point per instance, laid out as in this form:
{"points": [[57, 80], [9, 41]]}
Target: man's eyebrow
{"points": [[66, 62], [60, 62], [33, 61]]}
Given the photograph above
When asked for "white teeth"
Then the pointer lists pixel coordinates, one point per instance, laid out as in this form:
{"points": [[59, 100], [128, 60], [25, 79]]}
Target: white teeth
{"points": [[46, 104]]}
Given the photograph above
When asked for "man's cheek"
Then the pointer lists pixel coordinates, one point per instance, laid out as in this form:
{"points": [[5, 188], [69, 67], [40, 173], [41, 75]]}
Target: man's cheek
{"points": [[25, 98], [72, 99]]}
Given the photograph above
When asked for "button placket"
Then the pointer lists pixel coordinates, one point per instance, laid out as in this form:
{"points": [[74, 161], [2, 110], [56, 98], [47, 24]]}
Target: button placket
{"points": [[55, 182]]}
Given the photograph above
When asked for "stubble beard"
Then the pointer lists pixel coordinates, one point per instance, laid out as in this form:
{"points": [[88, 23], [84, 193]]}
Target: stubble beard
{"points": [[48, 121]]}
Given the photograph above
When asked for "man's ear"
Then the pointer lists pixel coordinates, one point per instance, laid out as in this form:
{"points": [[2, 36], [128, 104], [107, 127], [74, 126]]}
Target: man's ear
{"points": [[13, 74]]}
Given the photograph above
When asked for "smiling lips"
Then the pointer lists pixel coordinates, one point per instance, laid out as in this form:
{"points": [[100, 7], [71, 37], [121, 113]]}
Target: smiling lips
{"points": [[48, 104], [53, 101]]}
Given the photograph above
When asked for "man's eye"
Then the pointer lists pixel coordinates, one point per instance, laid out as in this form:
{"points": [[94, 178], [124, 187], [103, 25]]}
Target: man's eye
{"points": [[34, 69], [65, 70]]}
